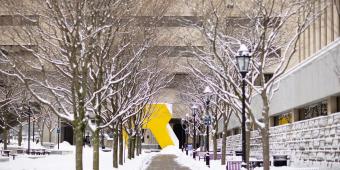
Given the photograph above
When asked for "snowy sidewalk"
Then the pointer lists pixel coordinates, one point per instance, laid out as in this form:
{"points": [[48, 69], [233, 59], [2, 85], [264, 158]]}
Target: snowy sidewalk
{"points": [[165, 162]]}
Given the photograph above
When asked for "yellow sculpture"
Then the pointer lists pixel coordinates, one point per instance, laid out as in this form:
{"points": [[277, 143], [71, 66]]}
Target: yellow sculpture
{"points": [[158, 123]]}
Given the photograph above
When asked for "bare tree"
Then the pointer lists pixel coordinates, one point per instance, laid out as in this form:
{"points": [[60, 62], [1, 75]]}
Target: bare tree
{"points": [[271, 29]]}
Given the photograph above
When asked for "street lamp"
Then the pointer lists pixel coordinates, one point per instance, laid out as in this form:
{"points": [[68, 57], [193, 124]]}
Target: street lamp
{"points": [[194, 108], [58, 127], [29, 130], [207, 121], [242, 61], [58, 131], [33, 129]]}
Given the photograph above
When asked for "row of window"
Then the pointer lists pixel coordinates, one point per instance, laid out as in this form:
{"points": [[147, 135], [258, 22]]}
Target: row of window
{"points": [[307, 112], [18, 20]]}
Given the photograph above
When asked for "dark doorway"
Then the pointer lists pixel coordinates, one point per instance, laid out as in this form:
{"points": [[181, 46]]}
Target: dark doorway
{"points": [[180, 133], [68, 134]]}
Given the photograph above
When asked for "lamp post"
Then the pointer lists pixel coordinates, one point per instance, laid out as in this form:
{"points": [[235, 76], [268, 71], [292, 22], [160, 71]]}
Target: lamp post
{"points": [[33, 129], [207, 91], [29, 130], [242, 61], [58, 131], [194, 108]]}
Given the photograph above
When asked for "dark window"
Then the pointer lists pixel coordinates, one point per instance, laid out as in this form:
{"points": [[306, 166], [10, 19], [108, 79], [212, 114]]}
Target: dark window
{"points": [[338, 104], [168, 21], [172, 51], [229, 133], [18, 20], [17, 49], [267, 76], [178, 79], [311, 111], [236, 131], [6, 20]]}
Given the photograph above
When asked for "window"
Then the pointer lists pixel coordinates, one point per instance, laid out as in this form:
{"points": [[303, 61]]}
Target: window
{"points": [[338, 104], [16, 50], [178, 79], [236, 131], [314, 110], [267, 77], [229, 133], [282, 119], [18, 20], [173, 51]]}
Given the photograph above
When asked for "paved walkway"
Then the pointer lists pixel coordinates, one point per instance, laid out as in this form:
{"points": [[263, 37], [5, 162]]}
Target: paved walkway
{"points": [[165, 162]]}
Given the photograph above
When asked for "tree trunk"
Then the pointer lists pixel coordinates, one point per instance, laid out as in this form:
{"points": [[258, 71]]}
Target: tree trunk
{"points": [[20, 135], [115, 148], [78, 129], [49, 136], [140, 145], [5, 138], [224, 145], [133, 146], [95, 141], [121, 145], [129, 147], [215, 145], [137, 145], [265, 132], [42, 134], [265, 147]]}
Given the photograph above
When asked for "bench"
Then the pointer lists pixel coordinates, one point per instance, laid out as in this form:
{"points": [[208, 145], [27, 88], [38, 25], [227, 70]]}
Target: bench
{"points": [[201, 155], [13, 155], [4, 159], [233, 165], [236, 164]]}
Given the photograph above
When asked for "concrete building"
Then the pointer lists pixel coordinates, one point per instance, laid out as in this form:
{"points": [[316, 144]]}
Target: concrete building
{"points": [[307, 102], [304, 112]]}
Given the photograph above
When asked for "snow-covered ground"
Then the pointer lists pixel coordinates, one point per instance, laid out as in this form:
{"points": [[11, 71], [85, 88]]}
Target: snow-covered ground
{"points": [[189, 162], [66, 162]]}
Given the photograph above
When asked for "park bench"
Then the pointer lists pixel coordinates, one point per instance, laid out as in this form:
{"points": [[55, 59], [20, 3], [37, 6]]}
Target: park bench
{"points": [[201, 155], [8, 153], [236, 164], [5, 153], [13, 155], [4, 159]]}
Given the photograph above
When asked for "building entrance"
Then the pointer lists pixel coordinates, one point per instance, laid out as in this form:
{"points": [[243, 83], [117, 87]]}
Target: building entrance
{"points": [[179, 131]]}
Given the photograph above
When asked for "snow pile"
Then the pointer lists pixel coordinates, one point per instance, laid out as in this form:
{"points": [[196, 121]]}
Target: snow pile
{"points": [[170, 150], [138, 163], [61, 162], [65, 146], [187, 161]]}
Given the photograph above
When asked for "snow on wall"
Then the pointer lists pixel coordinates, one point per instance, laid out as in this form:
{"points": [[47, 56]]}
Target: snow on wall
{"points": [[313, 142]]}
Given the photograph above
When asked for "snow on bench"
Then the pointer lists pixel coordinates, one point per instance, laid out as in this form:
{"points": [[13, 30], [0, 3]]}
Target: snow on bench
{"points": [[4, 159]]}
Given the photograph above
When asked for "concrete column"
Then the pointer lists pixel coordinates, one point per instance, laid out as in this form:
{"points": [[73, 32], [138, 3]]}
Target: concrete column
{"points": [[331, 105], [295, 115]]}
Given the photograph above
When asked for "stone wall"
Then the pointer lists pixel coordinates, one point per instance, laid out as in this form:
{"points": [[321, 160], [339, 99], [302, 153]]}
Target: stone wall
{"points": [[313, 142]]}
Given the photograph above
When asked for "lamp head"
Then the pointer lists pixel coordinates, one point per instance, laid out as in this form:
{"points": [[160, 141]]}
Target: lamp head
{"points": [[243, 59]]}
